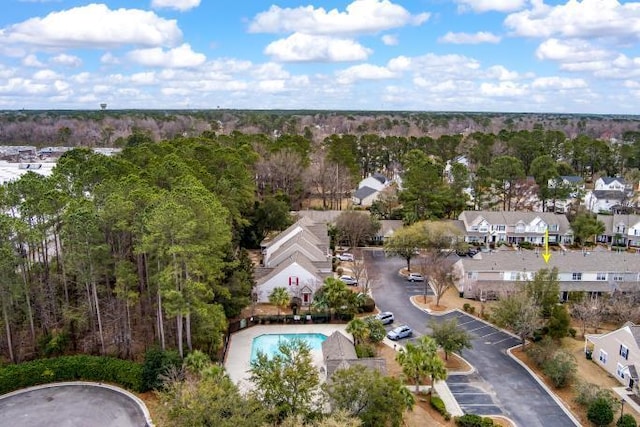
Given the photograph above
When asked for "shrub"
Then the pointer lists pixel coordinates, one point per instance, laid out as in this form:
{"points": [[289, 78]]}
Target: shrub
{"points": [[438, 405], [368, 305], [559, 322], [541, 352], [600, 412], [525, 245], [473, 420], [572, 332], [156, 363], [466, 306], [365, 350], [626, 420], [72, 368], [560, 368], [377, 332]]}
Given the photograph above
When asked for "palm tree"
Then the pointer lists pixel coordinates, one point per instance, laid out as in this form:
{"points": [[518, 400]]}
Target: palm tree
{"points": [[421, 360], [279, 297], [359, 329]]}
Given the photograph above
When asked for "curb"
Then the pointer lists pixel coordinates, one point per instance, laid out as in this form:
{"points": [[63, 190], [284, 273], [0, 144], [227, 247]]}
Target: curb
{"points": [[141, 405], [545, 387]]}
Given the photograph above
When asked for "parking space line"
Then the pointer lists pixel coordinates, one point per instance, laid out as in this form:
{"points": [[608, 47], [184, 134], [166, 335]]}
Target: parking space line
{"points": [[498, 342], [476, 329], [470, 321], [491, 333]]}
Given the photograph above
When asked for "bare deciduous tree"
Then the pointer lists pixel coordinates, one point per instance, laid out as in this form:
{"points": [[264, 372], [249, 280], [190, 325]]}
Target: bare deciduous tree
{"points": [[588, 312], [356, 227]]}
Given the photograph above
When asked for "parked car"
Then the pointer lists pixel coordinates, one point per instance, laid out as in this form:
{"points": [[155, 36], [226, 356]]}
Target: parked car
{"points": [[345, 256], [385, 317], [400, 332], [415, 277], [467, 252], [348, 280]]}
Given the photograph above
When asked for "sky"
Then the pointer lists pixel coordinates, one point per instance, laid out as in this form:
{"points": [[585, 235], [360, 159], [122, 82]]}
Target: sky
{"points": [[407, 55]]}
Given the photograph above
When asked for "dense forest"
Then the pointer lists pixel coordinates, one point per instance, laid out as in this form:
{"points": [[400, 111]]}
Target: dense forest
{"points": [[113, 127], [111, 255]]}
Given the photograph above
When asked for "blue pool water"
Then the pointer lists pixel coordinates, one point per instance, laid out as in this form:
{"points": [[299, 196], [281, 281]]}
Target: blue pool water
{"points": [[268, 343]]}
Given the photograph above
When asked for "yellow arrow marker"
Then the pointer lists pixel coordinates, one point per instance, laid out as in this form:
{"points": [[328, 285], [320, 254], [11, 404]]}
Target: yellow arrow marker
{"points": [[546, 255]]}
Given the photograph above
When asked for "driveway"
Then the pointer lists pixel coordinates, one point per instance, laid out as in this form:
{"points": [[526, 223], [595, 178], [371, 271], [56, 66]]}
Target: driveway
{"points": [[72, 405], [504, 385]]}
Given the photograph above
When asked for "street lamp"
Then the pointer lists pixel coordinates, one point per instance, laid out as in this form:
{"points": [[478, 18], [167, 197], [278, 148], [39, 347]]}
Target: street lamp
{"points": [[621, 407]]}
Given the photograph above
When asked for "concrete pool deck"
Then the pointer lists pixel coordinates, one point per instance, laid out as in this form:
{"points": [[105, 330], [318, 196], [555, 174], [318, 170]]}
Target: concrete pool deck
{"points": [[238, 360]]}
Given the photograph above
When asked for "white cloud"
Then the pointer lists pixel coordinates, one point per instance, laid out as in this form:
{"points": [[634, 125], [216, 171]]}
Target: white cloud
{"points": [[306, 48], [578, 19], [558, 83], [468, 38], [363, 72], [480, 6], [109, 58], [503, 89], [47, 75], [272, 85], [146, 78], [270, 70], [32, 61], [359, 17], [180, 5], [499, 72], [94, 25], [181, 56], [66, 60], [390, 40], [432, 63], [570, 51]]}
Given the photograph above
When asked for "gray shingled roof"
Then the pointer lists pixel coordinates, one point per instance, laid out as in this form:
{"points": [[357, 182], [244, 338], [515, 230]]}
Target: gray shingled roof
{"points": [[574, 179], [609, 195], [339, 352], [571, 261], [363, 192], [609, 179], [338, 347], [319, 217], [511, 218], [611, 221], [383, 179], [635, 331]]}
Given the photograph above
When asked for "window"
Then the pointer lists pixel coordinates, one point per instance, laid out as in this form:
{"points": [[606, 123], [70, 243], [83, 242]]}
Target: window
{"points": [[513, 275], [293, 281], [553, 227], [501, 227], [624, 351], [601, 276], [577, 276], [602, 357], [618, 277], [472, 275], [520, 228], [620, 370], [474, 228]]}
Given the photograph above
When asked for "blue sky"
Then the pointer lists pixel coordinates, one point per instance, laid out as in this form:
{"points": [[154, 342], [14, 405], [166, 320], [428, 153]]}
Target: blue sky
{"points": [[426, 55]]}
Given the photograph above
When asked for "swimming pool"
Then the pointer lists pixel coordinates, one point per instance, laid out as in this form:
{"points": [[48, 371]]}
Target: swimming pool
{"points": [[268, 343]]}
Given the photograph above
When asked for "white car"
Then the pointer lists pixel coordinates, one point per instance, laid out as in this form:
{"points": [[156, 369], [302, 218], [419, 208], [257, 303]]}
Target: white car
{"points": [[386, 317], [348, 280], [415, 277], [345, 256], [400, 332]]}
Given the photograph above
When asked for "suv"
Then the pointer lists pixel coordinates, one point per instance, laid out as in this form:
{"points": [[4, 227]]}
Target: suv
{"points": [[400, 332], [415, 277], [385, 317], [348, 280], [345, 256]]}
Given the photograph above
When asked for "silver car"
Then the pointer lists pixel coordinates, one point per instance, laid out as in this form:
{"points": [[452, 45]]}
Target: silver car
{"points": [[386, 317], [400, 332], [349, 281]]}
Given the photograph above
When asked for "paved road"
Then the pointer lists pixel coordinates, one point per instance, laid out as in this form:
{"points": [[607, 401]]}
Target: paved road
{"points": [[70, 406], [500, 385]]}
